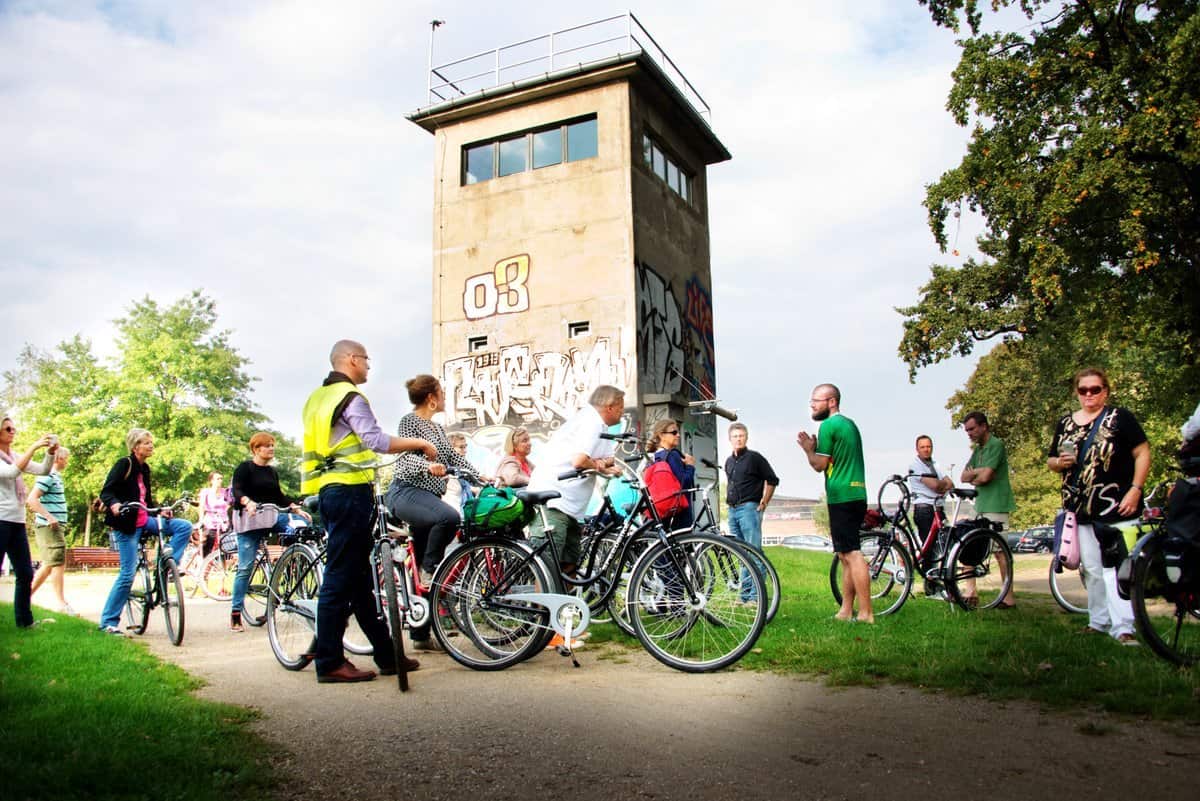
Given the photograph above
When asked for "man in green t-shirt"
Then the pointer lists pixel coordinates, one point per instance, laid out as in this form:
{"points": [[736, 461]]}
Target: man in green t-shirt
{"points": [[837, 452], [987, 469]]}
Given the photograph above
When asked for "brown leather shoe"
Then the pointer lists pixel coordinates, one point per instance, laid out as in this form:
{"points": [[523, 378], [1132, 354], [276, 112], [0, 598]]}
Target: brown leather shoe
{"points": [[409, 666], [346, 672]]}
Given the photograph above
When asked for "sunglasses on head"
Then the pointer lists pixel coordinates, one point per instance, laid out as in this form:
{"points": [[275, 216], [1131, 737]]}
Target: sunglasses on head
{"points": [[1095, 390]]}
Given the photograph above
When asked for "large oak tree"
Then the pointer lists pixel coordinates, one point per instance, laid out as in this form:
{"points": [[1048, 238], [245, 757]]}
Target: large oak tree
{"points": [[1084, 163]]}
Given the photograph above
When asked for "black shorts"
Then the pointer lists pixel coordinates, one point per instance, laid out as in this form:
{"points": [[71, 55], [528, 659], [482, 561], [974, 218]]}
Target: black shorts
{"points": [[845, 520]]}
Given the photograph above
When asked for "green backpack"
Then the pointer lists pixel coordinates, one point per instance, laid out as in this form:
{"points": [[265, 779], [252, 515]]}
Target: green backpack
{"points": [[494, 508]]}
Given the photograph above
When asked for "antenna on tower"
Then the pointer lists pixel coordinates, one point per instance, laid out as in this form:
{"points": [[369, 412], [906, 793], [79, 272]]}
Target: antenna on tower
{"points": [[433, 26], [706, 405]]}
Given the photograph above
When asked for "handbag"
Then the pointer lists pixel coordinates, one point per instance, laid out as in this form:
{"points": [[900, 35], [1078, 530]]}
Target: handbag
{"points": [[1066, 527], [1066, 541]]}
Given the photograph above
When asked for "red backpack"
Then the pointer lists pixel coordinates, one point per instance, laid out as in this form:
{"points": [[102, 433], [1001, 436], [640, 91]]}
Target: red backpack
{"points": [[666, 493]]}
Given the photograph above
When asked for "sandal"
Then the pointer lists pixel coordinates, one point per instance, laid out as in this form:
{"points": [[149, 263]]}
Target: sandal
{"points": [[235, 622]]}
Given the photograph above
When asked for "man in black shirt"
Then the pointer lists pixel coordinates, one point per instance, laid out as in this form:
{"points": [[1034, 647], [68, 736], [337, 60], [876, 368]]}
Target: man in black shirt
{"points": [[752, 482]]}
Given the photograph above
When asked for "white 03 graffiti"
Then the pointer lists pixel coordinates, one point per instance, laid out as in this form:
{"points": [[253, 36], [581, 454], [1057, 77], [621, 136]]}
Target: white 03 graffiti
{"points": [[532, 387], [501, 291]]}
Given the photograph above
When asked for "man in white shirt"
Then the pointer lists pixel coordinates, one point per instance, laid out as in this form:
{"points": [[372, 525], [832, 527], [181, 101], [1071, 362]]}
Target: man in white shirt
{"points": [[927, 483], [576, 445]]}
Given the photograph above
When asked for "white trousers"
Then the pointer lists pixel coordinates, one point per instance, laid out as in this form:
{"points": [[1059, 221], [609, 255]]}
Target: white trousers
{"points": [[1107, 611]]}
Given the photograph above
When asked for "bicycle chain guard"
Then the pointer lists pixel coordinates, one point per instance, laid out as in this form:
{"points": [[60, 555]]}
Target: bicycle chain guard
{"points": [[563, 610]]}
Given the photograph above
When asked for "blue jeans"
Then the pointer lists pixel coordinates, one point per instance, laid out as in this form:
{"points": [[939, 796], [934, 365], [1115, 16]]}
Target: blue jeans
{"points": [[347, 510], [248, 544], [178, 531], [745, 523], [15, 542]]}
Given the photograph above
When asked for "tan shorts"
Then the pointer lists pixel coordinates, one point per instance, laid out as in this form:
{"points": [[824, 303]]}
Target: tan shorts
{"points": [[52, 544]]}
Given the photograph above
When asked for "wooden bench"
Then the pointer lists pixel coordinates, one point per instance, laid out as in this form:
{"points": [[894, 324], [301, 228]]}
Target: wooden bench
{"points": [[84, 558]]}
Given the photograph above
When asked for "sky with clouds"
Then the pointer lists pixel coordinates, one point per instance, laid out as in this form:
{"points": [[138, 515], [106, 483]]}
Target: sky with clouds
{"points": [[261, 152]]}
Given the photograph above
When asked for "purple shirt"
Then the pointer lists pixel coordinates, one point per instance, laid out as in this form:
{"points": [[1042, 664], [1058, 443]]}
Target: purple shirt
{"points": [[359, 418]]}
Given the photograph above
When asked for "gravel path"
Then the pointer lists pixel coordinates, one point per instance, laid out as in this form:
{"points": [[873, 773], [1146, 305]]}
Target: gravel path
{"points": [[623, 726]]}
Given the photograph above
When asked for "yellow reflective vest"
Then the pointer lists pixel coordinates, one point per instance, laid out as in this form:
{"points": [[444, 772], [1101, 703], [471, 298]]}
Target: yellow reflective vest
{"points": [[324, 464]]}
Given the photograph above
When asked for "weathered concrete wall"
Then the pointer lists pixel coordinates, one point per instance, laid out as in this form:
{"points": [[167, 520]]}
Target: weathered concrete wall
{"points": [[517, 258], [674, 280]]}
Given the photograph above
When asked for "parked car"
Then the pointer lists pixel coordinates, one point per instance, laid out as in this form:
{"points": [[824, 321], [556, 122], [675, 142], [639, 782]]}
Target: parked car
{"points": [[1012, 538], [809, 542], [1039, 539]]}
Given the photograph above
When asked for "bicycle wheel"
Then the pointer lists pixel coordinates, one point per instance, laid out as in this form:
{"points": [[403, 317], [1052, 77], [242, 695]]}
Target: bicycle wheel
{"points": [[599, 581], [768, 574], [292, 608], [1167, 615], [171, 587], [395, 615], [685, 618], [889, 566], [979, 569], [137, 606], [189, 567], [622, 570], [470, 586], [254, 606], [1068, 590], [217, 576]]}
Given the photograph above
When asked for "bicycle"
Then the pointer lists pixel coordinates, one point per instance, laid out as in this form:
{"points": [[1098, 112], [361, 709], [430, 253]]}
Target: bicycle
{"points": [[164, 588], [1163, 584], [254, 604], [213, 574], [680, 609], [767, 572], [958, 557], [614, 534], [296, 580]]}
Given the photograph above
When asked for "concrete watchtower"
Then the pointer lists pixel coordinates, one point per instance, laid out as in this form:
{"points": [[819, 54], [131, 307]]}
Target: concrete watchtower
{"points": [[570, 233]]}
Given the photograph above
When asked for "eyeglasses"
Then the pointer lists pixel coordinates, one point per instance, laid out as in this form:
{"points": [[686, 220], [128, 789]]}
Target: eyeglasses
{"points": [[1095, 389], [9, 428], [362, 356], [820, 400], [674, 431]]}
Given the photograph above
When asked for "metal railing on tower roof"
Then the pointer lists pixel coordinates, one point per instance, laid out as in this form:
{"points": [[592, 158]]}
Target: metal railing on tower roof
{"points": [[576, 47]]}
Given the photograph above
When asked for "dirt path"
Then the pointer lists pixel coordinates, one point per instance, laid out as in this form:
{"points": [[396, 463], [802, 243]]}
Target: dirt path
{"points": [[623, 726]]}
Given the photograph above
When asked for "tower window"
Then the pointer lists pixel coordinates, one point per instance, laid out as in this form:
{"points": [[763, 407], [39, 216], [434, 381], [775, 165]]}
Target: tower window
{"points": [[666, 168], [572, 140], [476, 344], [579, 328]]}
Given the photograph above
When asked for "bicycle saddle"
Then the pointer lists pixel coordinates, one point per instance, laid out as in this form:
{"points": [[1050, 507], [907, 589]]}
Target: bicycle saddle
{"points": [[964, 492], [538, 498]]}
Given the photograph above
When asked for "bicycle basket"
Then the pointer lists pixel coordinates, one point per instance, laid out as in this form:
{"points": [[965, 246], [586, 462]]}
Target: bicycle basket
{"points": [[494, 510], [228, 543]]}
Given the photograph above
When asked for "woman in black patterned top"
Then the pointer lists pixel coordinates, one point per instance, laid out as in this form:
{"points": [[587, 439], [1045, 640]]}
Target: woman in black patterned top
{"points": [[415, 494]]}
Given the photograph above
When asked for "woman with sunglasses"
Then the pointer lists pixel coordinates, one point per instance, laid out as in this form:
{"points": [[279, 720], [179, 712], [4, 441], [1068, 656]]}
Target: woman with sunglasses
{"points": [[14, 541], [1104, 458], [663, 446]]}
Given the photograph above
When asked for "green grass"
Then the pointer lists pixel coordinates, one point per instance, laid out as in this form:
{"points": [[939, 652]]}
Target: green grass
{"points": [[1034, 652], [88, 715]]}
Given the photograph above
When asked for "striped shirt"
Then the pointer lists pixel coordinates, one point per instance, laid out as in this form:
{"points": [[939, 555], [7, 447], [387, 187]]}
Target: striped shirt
{"points": [[53, 497]]}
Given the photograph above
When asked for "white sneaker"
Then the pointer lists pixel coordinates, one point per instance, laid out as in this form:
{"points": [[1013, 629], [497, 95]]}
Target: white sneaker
{"points": [[67, 609]]}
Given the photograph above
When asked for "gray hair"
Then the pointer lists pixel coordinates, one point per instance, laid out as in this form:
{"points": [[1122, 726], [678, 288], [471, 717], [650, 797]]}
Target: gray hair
{"points": [[605, 395], [135, 436], [739, 427]]}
